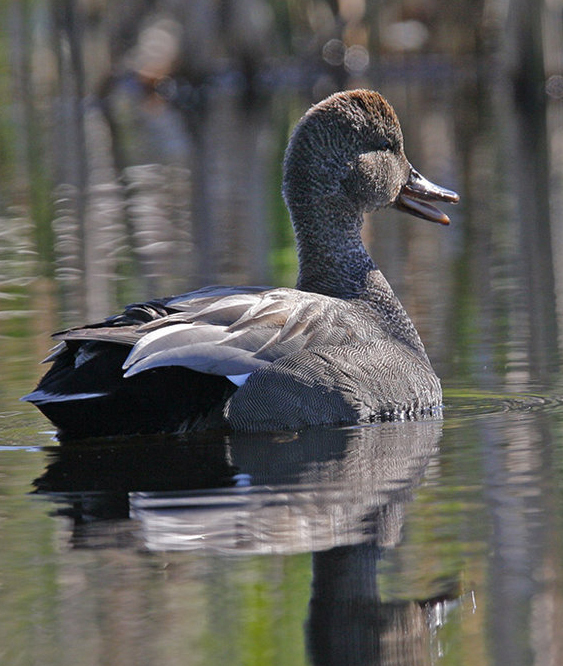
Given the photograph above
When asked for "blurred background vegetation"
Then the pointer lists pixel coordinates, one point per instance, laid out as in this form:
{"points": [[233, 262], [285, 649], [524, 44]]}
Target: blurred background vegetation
{"points": [[141, 144]]}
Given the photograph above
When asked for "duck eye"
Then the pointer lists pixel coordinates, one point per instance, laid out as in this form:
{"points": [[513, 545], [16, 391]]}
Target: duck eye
{"points": [[385, 145]]}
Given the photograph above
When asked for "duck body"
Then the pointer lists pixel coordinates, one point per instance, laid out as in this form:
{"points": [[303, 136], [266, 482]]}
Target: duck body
{"points": [[337, 349]]}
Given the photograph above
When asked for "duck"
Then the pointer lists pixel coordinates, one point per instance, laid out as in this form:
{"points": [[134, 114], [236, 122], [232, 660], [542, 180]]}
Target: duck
{"points": [[338, 349]]}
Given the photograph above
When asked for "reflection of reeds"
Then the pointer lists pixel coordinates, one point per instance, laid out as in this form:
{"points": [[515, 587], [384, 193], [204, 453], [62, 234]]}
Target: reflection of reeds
{"points": [[135, 227], [17, 256], [164, 171], [158, 213], [19, 311]]}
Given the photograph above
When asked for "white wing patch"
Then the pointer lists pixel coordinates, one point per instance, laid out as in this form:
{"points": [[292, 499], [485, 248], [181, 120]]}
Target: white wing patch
{"points": [[238, 380]]}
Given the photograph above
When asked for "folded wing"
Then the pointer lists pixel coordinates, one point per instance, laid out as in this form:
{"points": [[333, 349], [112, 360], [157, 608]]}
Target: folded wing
{"points": [[232, 332]]}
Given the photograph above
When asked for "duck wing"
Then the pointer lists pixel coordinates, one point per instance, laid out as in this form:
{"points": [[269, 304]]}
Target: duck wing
{"points": [[180, 364], [233, 334]]}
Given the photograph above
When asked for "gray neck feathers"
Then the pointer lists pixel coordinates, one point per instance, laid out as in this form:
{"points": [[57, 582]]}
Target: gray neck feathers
{"points": [[327, 223], [332, 257]]}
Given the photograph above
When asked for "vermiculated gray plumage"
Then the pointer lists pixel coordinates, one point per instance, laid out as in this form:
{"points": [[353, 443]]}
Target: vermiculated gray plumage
{"points": [[338, 349]]}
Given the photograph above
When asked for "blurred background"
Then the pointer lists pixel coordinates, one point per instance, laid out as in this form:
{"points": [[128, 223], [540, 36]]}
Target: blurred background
{"points": [[141, 144]]}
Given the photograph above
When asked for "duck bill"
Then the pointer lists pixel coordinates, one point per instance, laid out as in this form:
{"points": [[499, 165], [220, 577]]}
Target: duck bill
{"points": [[418, 194]]}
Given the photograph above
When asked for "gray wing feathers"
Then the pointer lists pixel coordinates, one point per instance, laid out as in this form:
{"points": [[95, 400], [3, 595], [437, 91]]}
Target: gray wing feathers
{"points": [[258, 329], [182, 345], [125, 335], [215, 349], [234, 331]]}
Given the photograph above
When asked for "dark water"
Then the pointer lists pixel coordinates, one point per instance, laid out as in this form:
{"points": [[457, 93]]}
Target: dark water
{"points": [[407, 543]]}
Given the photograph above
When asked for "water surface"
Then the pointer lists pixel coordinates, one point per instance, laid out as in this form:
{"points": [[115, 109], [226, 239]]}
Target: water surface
{"points": [[419, 542]]}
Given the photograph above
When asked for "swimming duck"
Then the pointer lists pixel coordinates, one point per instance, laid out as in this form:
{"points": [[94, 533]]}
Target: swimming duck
{"points": [[337, 349]]}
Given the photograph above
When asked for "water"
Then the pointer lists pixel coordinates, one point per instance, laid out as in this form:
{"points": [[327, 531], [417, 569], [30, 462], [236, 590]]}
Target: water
{"points": [[433, 542], [437, 542]]}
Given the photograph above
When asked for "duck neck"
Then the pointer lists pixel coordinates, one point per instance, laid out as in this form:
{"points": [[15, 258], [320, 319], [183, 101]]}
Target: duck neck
{"points": [[333, 261], [332, 257]]}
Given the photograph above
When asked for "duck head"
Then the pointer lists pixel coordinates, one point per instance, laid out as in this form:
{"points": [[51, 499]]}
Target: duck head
{"points": [[349, 148]]}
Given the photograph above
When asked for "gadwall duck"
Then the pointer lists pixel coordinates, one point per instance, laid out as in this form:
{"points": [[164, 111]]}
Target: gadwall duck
{"points": [[337, 349]]}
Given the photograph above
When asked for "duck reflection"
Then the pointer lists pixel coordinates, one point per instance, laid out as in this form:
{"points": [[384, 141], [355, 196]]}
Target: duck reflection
{"points": [[348, 622], [285, 493], [338, 493]]}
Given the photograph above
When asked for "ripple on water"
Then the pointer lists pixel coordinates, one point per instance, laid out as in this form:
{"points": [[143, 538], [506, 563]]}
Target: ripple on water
{"points": [[460, 404]]}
